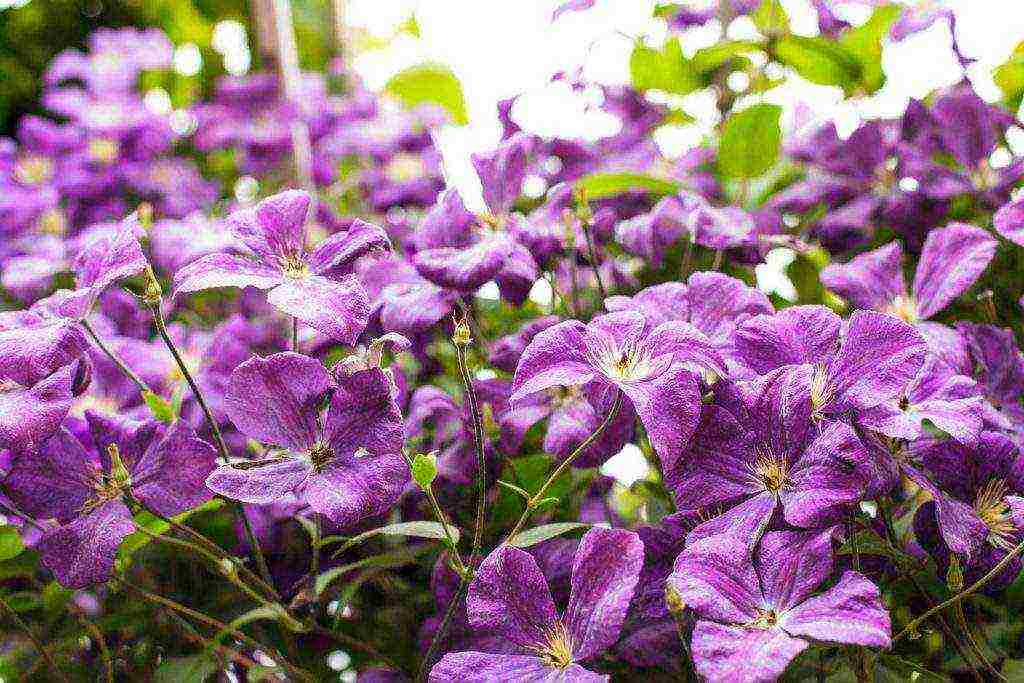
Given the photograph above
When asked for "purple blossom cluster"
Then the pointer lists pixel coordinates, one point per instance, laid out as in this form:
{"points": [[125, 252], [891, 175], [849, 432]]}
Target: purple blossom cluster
{"points": [[375, 362]]}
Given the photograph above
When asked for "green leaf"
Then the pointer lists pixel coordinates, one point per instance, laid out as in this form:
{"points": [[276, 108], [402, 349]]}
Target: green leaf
{"points": [[185, 669], [139, 539], [525, 539], [430, 84], [907, 669], [162, 409], [261, 613], [1009, 76], [10, 542], [55, 597], [396, 558], [750, 141], [515, 489], [770, 18], [421, 529], [865, 43], [710, 58], [819, 60], [23, 601], [602, 185], [424, 469], [665, 69]]}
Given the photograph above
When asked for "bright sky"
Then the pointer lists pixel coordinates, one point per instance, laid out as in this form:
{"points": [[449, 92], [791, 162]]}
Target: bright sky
{"points": [[499, 48]]}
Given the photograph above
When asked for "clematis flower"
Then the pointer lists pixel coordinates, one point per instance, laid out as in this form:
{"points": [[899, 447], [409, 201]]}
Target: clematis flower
{"points": [[865, 363], [952, 259], [89, 489], [1009, 221], [344, 461], [29, 413], [755, 615], [510, 596], [997, 364], [768, 454], [657, 369], [315, 287], [977, 511], [714, 303]]}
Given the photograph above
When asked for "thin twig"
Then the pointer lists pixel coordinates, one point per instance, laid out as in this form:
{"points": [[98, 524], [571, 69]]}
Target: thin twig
{"points": [[970, 590], [43, 652], [121, 365], [478, 442], [222, 447], [564, 465]]}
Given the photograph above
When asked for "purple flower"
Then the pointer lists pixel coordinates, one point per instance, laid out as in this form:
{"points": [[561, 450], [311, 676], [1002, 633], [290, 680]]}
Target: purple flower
{"points": [[510, 596], [997, 364], [657, 369], [768, 454], [344, 461], [88, 490], [1009, 221], [952, 259], [315, 287], [756, 615], [866, 362], [977, 511]]}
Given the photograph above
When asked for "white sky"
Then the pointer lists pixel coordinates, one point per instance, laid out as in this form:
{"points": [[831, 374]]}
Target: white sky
{"points": [[499, 48]]}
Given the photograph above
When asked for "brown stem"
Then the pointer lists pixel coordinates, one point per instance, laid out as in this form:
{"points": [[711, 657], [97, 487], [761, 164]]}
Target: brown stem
{"points": [[40, 647], [564, 465]]}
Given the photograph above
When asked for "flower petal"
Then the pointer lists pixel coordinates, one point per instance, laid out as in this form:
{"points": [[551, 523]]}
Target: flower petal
{"points": [[952, 259], [275, 399], [259, 482], [82, 552], [350, 488], [714, 578], [799, 334], [604, 575], [54, 481], [871, 281], [224, 270], [555, 357], [337, 307], [849, 612], [733, 654], [334, 256], [509, 595]]}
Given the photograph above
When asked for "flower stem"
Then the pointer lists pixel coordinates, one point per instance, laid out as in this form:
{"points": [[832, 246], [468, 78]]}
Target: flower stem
{"points": [[564, 465], [970, 590], [478, 442], [222, 447], [592, 257], [121, 365], [216, 623], [442, 628], [40, 647]]}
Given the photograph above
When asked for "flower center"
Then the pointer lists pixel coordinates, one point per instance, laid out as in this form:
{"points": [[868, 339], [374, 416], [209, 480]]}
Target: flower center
{"points": [[818, 388], [294, 267], [626, 364], [33, 170], [320, 455], [8, 385], [557, 651], [984, 177], [765, 620], [884, 180], [103, 150], [52, 222], [903, 307], [993, 509], [404, 167], [770, 470]]}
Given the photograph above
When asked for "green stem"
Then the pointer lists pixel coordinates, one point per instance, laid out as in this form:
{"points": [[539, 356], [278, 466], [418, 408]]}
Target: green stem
{"points": [[216, 623], [121, 365], [481, 462], [564, 465], [459, 596], [222, 447], [40, 648], [970, 590], [592, 257]]}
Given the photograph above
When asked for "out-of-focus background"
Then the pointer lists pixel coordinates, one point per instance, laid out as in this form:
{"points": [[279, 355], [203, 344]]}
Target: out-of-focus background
{"points": [[497, 49]]}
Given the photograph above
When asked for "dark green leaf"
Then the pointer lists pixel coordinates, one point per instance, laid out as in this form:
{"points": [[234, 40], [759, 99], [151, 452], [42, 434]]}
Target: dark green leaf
{"points": [[396, 558], [525, 539], [750, 141], [430, 84], [865, 44], [421, 529], [185, 669]]}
